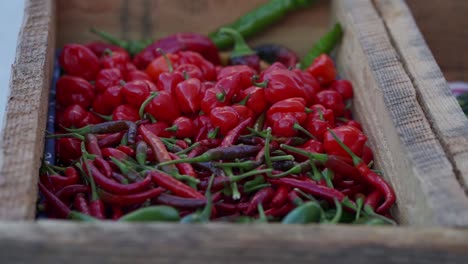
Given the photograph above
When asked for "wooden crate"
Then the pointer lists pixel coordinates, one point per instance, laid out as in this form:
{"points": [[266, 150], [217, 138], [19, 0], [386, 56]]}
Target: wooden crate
{"points": [[417, 130]]}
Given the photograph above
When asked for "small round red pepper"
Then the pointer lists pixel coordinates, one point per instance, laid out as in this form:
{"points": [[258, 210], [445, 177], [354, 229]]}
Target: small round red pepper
{"points": [[323, 69], [74, 90], [351, 137], [78, 60], [107, 78], [343, 87], [226, 118]]}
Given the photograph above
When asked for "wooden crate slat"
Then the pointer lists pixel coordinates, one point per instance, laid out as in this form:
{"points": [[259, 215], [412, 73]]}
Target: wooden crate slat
{"points": [[68, 242], [440, 106], [408, 150], [23, 134]]}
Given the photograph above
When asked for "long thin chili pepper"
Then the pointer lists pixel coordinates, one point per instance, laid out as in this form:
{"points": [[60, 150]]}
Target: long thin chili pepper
{"points": [[204, 215], [61, 181], [373, 199], [280, 197], [324, 45], [261, 197], [179, 202], [81, 204], [70, 191], [175, 186], [113, 152], [111, 139], [152, 214], [297, 169], [280, 211], [130, 199], [92, 145], [159, 150], [59, 208], [184, 168], [109, 127], [103, 166], [234, 134], [370, 177], [310, 187], [96, 206]]}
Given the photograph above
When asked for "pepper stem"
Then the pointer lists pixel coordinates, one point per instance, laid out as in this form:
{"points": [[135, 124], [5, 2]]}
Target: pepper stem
{"points": [[168, 61], [145, 103], [109, 38], [75, 135], [240, 46], [244, 101], [260, 84], [239, 177], [322, 158], [172, 128], [234, 189], [298, 127], [339, 212], [267, 149], [356, 159]]}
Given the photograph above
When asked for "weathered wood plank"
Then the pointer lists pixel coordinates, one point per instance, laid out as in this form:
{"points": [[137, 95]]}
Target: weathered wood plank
{"points": [[22, 139], [440, 106], [445, 28], [408, 151], [68, 242]]}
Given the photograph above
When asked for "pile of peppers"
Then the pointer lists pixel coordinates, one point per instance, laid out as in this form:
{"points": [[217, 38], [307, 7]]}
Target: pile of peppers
{"points": [[169, 133]]}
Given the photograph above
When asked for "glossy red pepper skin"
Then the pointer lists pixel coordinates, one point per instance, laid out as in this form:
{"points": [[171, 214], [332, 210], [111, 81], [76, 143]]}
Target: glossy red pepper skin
{"points": [[92, 145], [380, 184], [127, 150], [179, 42], [68, 149], [282, 84], [159, 65], [314, 123], [71, 177], [191, 70], [130, 199], [74, 90], [281, 211], [136, 75], [351, 137], [312, 145], [99, 47], [310, 187], [245, 73], [373, 199], [158, 128], [367, 155], [159, 149], [111, 139], [263, 196], [177, 187], [164, 107], [78, 60], [106, 102], [188, 94], [256, 101], [331, 100], [81, 204], [244, 113], [167, 81], [125, 112], [280, 197], [184, 127], [323, 69], [310, 84], [115, 60], [73, 117], [213, 97], [135, 92], [107, 78], [284, 114], [113, 152], [226, 118], [204, 126], [234, 134], [343, 87], [60, 209], [184, 168], [230, 86]]}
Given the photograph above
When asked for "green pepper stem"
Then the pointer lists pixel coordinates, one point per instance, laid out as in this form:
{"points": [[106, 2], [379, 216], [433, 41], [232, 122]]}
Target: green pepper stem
{"points": [[75, 135], [339, 212], [267, 149], [145, 103], [105, 117], [168, 61], [173, 128], [239, 177], [190, 148], [370, 212], [256, 187], [244, 101], [327, 175], [240, 46], [262, 218], [263, 84], [356, 159], [108, 37], [213, 133], [359, 205], [247, 165], [298, 127], [234, 189], [322, 158]]}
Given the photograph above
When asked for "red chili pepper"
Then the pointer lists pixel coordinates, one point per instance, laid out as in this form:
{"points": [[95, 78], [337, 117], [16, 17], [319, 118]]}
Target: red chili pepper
{"points": [[323, 69], [110, 185], [103, 166], [284, 114], [162, 64], [163, 107], [159, 149], [343, 87], [184, 168], [354, 123], [106, 102], [179, 42], [352, 137], [73, 117], [80, 204], [74, 90], [188, 95], [71, 178], [107, 78], [125, 112], [70, 191], [167, 81], [280, 212], [183, 127], [244, 113], [98, 47], [205, 144], [136, 75], [179, 202], [367, 155], [127, 150], [92, 145], [282, 84], [117, 212], [353, 190], [135, 92], [68, 149], [115, 59], [311, 85], [207, 68], [213, 97], [280, 197], [113, 152], [256, 101], [234, 134], [191, 70], [319, 112], [59, 208], [219, 183], [245, 73], [311, 145], [226, 208], [263, 197], [331, 100], [130, 199], [175, 186], [226, 118], [158, 128], [373, 199], [78, 60], [310, 187], [111, 139]]}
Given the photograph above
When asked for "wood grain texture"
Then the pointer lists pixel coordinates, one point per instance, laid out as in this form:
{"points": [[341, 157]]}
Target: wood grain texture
{"points": [[408, 151], [217, 243], [445, 28], [440, 106], [140, 19], [22, 139]]}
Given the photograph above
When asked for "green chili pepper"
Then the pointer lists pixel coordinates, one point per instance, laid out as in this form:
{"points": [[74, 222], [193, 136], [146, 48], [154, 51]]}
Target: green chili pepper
{"points": [[371, 221], [258, 19], [309, 212], [77, 216], [204, 215], [324, 45], [133, 47], [338, 213], [262, 218], [158, 213], [240, 48]]}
